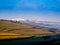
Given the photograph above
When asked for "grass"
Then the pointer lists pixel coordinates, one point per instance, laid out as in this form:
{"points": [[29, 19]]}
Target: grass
{"points": [[23, 30], [11, 35]]}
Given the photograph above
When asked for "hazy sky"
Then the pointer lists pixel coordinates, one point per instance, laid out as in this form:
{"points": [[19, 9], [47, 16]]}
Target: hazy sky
{"points": [[44, 10]]}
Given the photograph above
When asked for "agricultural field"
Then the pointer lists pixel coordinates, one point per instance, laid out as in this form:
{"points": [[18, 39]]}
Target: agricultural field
{"points": [[19, 30]]}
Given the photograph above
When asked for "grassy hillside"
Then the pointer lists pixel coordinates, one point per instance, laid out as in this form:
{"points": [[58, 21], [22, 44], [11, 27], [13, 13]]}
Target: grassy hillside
{"points": [[20, 28]]}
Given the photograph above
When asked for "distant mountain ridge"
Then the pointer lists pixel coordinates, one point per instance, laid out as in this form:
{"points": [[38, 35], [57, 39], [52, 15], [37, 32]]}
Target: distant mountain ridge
{"points": [[32, 22], [39, 23]]}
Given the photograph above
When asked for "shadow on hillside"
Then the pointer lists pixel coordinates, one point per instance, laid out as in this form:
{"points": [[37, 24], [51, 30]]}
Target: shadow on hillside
{"points": [[54, 39]]}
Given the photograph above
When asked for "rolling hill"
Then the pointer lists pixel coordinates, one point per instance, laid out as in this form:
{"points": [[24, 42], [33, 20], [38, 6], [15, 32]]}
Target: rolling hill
{"points": [[14, 27]]}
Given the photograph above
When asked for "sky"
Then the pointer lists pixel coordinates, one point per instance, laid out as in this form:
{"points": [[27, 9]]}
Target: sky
{"points": [[41, 10]]}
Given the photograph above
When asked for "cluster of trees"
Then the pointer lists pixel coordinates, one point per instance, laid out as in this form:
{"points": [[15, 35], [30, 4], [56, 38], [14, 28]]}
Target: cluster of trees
{"points": [[54, 30], [38, 27], [15, 21]]}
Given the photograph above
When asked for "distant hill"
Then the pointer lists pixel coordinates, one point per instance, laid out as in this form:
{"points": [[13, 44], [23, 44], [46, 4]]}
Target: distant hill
{"points": [[21, 28]]}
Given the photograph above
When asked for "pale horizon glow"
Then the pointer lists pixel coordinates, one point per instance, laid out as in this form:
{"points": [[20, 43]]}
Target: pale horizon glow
{"points": [[33, 19], [38, 10]]}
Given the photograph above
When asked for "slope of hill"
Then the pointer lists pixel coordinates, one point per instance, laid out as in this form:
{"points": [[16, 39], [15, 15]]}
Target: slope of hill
{"points": [[8, 26]]}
